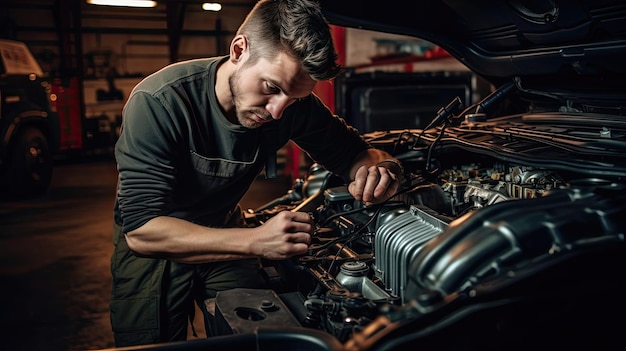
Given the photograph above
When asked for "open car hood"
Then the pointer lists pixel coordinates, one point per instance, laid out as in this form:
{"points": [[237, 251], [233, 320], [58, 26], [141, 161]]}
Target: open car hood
{"points": [[548, 42]]}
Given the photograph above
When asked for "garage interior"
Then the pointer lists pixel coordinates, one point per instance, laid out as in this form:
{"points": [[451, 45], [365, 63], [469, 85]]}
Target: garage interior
{"points": [[94, 55]]}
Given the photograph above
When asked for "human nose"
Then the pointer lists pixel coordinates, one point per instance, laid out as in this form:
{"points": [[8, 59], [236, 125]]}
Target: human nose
{"points": [[277, 105]]}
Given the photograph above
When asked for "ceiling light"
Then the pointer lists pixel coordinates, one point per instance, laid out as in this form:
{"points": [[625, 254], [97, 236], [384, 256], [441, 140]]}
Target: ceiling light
{"points": [[211, 6], [128, 3]]}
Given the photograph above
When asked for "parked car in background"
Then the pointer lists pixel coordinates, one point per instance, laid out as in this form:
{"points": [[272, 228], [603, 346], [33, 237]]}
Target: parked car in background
{"points": [[510, 231], [29, 126]]}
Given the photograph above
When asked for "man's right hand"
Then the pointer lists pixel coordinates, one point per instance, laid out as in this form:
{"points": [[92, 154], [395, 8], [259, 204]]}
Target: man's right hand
{"points": [[285, 235]]}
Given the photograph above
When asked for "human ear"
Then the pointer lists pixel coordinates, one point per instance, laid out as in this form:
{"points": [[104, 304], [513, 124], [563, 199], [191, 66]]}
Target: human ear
{"points": [[238, 47]]}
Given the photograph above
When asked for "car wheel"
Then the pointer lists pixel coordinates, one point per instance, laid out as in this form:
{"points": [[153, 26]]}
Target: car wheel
{"points": [[29, 169]]}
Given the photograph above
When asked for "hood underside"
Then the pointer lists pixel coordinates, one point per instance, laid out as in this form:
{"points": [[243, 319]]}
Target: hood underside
{"points": [[571, 41]]}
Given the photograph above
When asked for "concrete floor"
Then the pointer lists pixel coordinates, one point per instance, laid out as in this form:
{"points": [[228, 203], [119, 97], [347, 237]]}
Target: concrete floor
{"points": [[54, 259]]}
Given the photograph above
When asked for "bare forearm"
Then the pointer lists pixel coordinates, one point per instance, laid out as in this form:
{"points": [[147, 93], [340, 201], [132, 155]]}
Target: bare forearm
{"points": [[283, 236], [183, 241]]}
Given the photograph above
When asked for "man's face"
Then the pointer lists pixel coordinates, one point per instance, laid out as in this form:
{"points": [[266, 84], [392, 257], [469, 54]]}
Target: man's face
{"points": [[261, 92]]}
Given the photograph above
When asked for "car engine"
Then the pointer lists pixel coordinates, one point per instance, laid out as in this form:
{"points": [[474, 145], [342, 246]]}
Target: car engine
{"points": [[507, 225]]}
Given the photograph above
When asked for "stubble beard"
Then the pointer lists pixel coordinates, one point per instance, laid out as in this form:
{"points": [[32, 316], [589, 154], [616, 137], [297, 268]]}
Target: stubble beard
{"points": [[242, 118]]}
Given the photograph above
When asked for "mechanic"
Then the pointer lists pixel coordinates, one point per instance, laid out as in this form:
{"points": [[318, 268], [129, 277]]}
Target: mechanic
{"points": [[195, 135]]}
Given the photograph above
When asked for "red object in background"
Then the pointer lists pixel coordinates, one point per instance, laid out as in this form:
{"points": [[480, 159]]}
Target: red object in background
{"points": [[436, 52], [405, 58], [326, 90], [68, 108], [292, 162]]}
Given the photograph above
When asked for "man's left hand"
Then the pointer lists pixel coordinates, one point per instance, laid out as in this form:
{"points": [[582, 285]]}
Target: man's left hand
{"points": [[374, 184]]}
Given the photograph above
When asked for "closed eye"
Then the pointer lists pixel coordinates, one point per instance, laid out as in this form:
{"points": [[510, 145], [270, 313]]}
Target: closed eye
{"points": [[272, 89]]}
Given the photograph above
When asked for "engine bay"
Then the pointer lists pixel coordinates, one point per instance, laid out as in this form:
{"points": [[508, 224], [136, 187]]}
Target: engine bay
{"points": [[504, 226]]}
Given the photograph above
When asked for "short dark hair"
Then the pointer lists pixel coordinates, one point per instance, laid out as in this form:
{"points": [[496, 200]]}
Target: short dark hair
{"points": [[296, 27]]}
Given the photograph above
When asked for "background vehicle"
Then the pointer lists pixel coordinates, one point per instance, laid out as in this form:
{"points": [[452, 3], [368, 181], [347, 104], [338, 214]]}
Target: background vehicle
{"points": [[28, 123]]}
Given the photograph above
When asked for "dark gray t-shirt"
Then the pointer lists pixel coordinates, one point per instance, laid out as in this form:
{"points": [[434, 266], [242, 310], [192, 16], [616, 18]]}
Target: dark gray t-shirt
{"points": [[179, 156]]}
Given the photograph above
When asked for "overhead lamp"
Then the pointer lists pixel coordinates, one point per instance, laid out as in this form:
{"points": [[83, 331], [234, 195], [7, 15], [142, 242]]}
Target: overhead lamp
{"points": [[211, 6], [126, 3]]}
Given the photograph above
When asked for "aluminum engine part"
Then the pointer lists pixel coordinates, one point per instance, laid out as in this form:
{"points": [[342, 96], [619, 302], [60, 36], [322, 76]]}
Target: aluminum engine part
{"points": [[353, 276], [397, 243]]}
